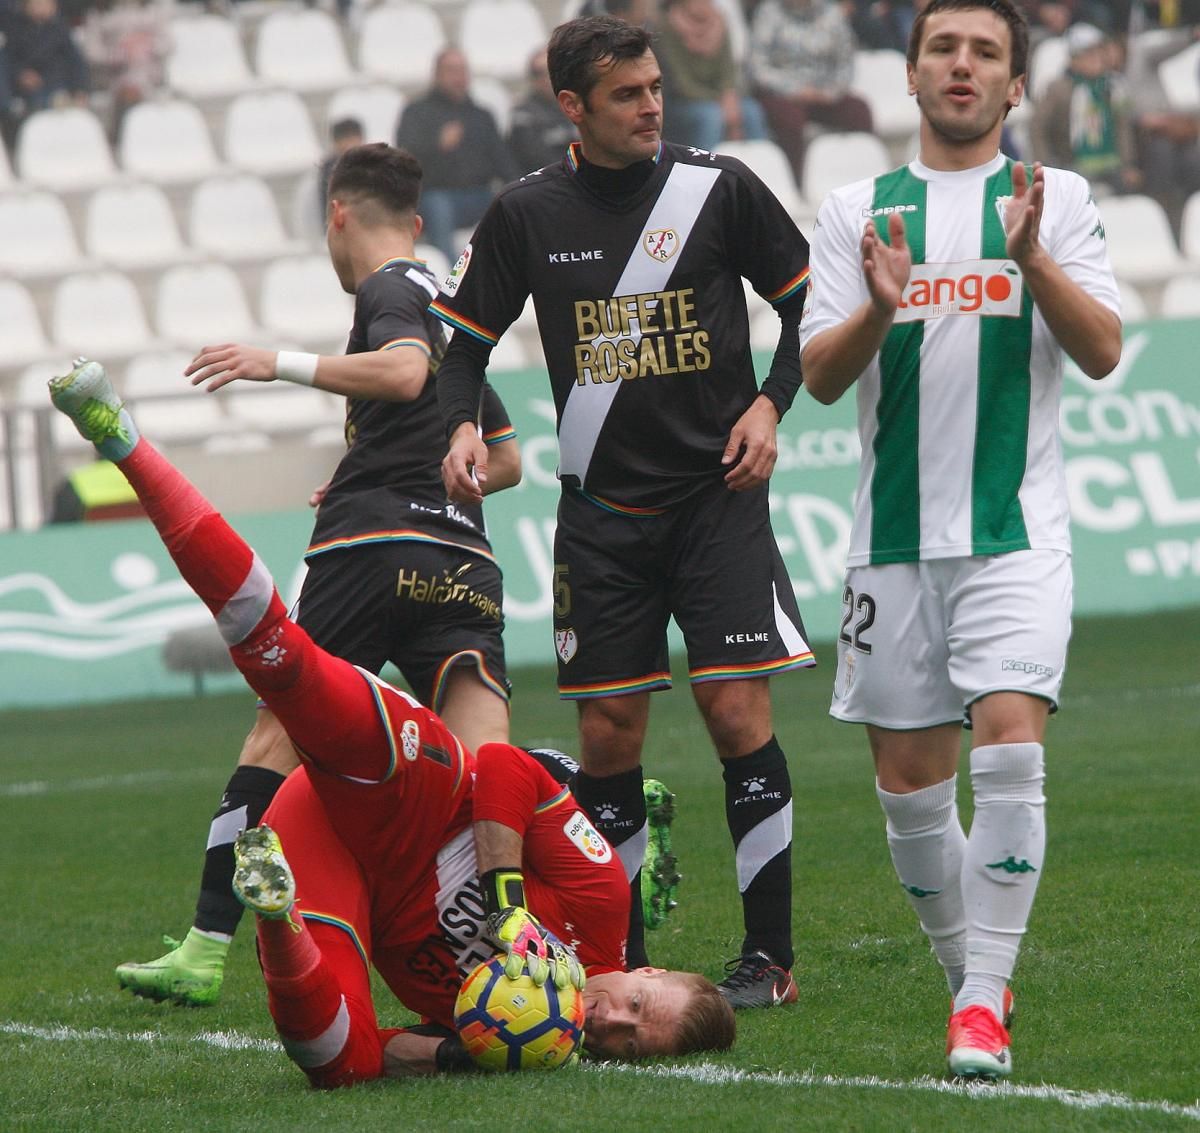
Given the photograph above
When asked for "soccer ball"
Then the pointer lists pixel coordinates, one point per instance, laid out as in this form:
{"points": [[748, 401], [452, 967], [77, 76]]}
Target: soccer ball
{"points": [[514, 1024]]}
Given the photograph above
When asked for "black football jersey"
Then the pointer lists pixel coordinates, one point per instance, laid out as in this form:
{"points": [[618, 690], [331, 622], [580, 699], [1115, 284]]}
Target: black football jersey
{"points": [[389, 483], [641, 310]]}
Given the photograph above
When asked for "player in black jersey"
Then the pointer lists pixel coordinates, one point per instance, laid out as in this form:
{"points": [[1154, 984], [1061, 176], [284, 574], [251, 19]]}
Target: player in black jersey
{"points": [[634, 252], [396, 572]]}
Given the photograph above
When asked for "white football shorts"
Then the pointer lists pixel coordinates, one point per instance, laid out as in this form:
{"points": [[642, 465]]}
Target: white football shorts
{"points": [[920, 642]]}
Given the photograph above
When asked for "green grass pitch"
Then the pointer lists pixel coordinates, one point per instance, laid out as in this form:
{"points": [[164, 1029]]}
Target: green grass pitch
{"points": [[103, 814]]}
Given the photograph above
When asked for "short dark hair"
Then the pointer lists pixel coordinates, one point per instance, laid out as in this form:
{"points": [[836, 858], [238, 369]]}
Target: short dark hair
{"points": [[707, 1021], [577, 47], [378, 174], [1018, 28]]}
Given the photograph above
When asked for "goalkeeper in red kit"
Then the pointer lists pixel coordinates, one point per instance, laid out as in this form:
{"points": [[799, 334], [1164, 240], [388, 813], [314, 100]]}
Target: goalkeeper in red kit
{"points": [[404, 850]]}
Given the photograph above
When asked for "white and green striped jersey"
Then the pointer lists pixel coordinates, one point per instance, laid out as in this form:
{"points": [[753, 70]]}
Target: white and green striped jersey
{"points": [[958, 412]]}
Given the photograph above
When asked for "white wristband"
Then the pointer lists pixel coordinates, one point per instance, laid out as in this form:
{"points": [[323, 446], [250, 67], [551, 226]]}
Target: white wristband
{"points": [[295, 366]]}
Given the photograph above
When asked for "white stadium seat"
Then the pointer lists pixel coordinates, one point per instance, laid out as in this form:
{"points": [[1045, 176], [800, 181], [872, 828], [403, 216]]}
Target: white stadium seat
{"points": [[300, 298], [494, 96], [22, 339], [167, 140], [1189, 236], [201, 304], [157, 373], [301, 49], [771, 164], [280, 406], [6, 173], [269, 132], [1180, 77], [833, 160], [36, 235], [1134, 308], [498, 36], [398, 42], [509, 354], [132, 226], [236, 217], [880, 77], [376, 105], [1140, 243], [99, 314], [64, 149], [207, 58], [1181, 298], [1047, 61]]}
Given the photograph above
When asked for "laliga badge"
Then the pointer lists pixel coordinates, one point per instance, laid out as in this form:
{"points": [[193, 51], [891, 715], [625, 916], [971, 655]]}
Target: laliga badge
{"points": [[591, 843], [455, 278], [565, 644], [410, 740]]}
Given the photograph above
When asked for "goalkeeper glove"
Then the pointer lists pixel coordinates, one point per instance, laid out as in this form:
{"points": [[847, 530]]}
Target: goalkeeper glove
{"points": [[521, 936]]}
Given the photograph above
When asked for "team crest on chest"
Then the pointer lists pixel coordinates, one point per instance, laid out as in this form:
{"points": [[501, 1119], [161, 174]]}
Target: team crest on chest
{"points": [[565, 644], [661, 244]]}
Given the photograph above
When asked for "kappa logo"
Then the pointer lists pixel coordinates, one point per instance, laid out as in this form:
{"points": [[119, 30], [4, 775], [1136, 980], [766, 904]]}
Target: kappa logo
{"points": [[587, 839], [969, 287], [454, 279], [410, 740], [661, 244], [565, 644], [888, 210]]}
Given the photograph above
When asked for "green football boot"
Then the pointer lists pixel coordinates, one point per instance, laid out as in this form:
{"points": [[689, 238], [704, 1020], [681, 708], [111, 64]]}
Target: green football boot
{"points": [[660, 872], [88, 398], [189, 975], [262, 878]]}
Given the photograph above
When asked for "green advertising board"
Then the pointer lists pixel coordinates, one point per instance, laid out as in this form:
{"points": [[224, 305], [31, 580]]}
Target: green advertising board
{"points": [[85, 610]]}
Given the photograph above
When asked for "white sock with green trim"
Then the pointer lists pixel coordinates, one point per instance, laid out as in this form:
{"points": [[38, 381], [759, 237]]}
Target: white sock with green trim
{"points": [[1002, 866]]}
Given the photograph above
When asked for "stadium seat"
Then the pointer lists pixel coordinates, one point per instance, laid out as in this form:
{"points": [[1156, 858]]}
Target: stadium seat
{"points": [[833, 160], [280, 407], [880, 77], [207, 58], [498, 36], [376, 105], [198, 304], [1047, 60], [132, 226], [436, 260], [36, 235], [494, 95], [270, 132], [771, 164], [397, 43], [235, 218], [22, 339], [6, 173], [509, 354], [764, 326], [64, 149], [300, 298], [157, 373], [168, 409], [1134, 308], [1181, 298], [1180, 77], [1189, 235], [1140, 243], [167, 141], [301, 49], [99, 314]]}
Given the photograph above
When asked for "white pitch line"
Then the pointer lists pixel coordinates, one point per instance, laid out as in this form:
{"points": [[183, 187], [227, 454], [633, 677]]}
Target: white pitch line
{"points": [[35, 788], [703, 1074], [708, 1074]]}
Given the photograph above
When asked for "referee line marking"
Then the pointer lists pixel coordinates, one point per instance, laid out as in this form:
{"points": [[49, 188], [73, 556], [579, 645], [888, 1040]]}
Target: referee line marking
{"points": [[702, 1074], [35, 788]]}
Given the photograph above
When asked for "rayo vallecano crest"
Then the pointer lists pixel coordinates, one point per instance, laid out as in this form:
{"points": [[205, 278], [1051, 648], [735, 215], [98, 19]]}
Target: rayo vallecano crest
{"points": [[661, 244], [565, 644]]}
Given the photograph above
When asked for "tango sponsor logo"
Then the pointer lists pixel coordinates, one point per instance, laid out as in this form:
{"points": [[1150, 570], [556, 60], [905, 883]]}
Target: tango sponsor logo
{"points": [[970, 287]]}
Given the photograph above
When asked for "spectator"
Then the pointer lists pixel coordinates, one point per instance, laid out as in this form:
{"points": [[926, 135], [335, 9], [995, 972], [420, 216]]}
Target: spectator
{"points": [[460, 149], [1084, 119], [705, 104], [47, 67], [638, 12], [344, 134], [801, 61], [539, 134], [1168, 149], [126, 42], [880, 24]]}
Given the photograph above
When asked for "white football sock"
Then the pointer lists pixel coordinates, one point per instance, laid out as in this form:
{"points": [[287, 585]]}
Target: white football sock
{"points": [[1002, 866], [926, 840]]}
